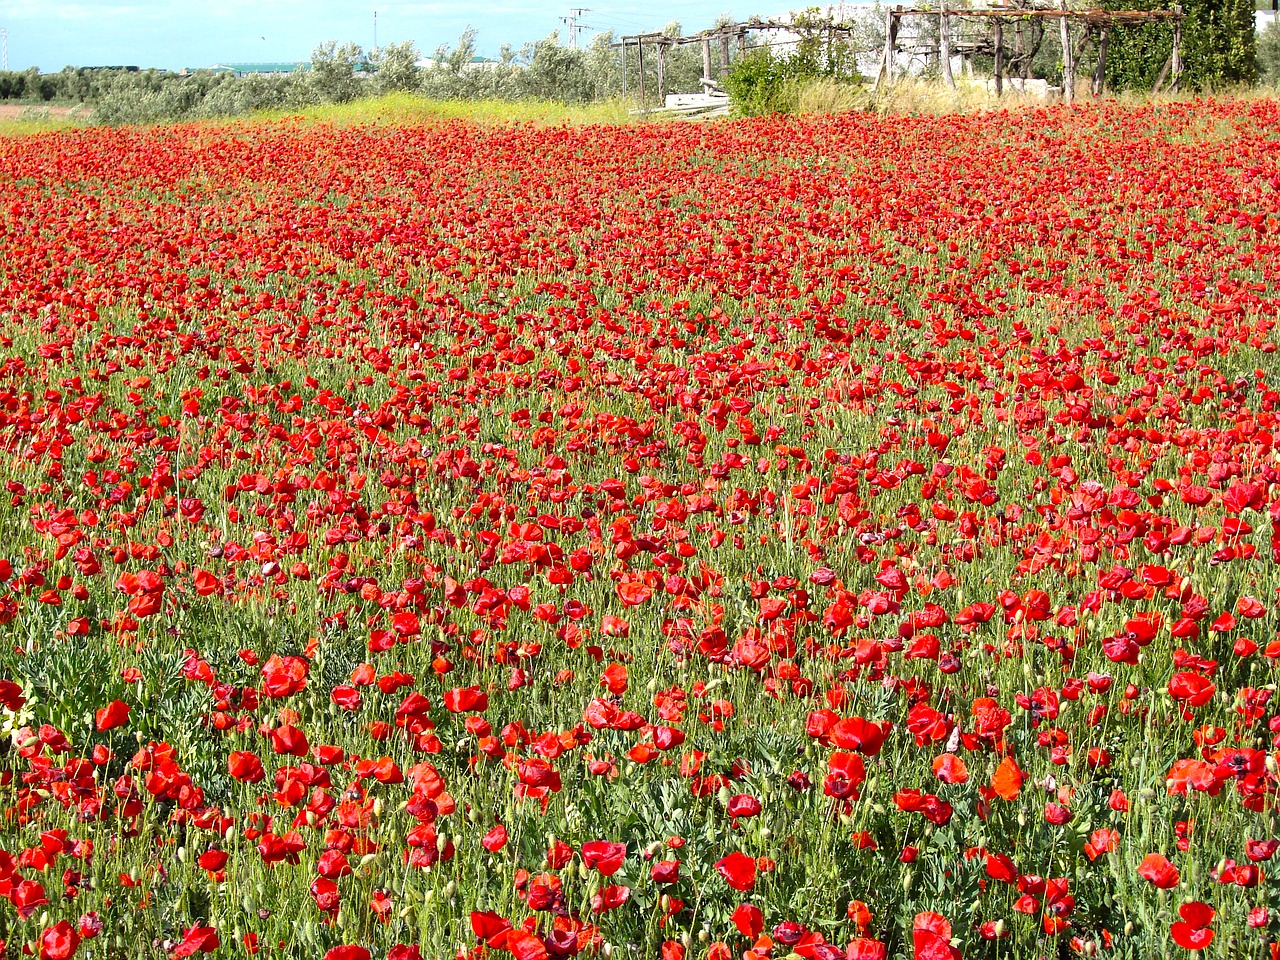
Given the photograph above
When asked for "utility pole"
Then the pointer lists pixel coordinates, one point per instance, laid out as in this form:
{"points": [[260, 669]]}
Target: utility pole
{"points": [[571, 21], [375, 29], [4, 49]]}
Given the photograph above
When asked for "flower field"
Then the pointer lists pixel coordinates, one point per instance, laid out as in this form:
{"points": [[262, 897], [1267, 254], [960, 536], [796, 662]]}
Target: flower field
{"points": [[848, 537]]}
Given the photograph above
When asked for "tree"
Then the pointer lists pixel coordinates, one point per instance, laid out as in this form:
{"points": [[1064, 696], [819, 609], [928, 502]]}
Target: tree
{"points": [[396, 66], [455, 61], [554, 72], [1269, 54], [333, 71], [1219, 46]]}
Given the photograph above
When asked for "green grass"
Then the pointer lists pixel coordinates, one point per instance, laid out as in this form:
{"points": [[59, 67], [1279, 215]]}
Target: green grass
{"points": [[406, 108], [393, 108]]}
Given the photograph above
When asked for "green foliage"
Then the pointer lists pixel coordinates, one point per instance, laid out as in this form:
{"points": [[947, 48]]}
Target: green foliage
{"points": [[1269, 54], [1219, 46], [763, 83], [545, 71], [333, 71], [555, 72], [760, 83], [395, 67]]}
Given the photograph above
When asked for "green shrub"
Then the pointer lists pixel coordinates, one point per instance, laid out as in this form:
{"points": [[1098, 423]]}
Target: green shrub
{"points": [[1269, 54], [762, 83], [759, 84]]}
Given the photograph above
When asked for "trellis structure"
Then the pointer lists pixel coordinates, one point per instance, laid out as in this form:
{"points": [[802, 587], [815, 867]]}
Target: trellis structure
{"points": [[998, 16], [729, 37]]}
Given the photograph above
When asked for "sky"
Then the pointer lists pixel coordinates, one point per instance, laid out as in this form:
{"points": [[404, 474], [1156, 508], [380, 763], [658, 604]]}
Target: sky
{"points": [[173, 34]]}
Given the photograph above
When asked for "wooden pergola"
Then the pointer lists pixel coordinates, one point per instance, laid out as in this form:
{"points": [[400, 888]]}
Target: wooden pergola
{"points": [[729, 37], [997, 16]]}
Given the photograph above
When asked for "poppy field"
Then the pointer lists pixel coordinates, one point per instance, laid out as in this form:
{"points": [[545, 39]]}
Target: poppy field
{"points": [[834, 537]]}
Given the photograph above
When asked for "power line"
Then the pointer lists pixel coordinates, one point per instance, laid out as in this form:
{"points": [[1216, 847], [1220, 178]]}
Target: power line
{"points": [[571, 21], [629, 23]]}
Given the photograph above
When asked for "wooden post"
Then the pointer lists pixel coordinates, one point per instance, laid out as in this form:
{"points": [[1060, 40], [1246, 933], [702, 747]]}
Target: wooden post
{"points": [[1020, 54], [640, 69], [1162, 76], [706, 58], [1100, 72], [944, 45], [742, 43], [890, 40], [662, 72], [997, 40], [624, 68], [1175, 61], [724, 56], [1068, 64]]}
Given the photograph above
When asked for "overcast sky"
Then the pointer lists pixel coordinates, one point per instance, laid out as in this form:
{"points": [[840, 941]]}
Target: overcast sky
{"points": [[51, 34]]}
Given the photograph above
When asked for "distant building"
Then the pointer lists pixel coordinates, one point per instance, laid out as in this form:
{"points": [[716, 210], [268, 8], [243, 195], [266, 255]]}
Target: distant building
{"points": [[475, 63], [265, 69]]}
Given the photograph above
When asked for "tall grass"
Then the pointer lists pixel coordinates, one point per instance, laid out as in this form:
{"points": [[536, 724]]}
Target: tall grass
{"points": [[405, 108], [35, 120], [915, 96]]}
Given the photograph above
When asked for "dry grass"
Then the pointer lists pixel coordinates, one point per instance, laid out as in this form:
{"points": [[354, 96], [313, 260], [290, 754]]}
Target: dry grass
{"points": [[913, 96], [17, 120], [407, 108]]}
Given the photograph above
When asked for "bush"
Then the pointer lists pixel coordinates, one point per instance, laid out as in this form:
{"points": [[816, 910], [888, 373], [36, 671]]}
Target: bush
{"points": [[1220, 47], [1269, 54], [762, 83], [333, 71]]}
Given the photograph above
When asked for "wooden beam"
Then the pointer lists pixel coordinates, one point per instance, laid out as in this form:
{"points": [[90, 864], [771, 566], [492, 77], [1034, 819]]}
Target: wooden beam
{"points": [[944, 45], [724, 56], [1100, 72], [1020, 52], [640, 69], [997, 41], [1162, 76], [706, 58], [1085, 16], [1068, 66], [662, 71], [890, 41], [1175, 60]]}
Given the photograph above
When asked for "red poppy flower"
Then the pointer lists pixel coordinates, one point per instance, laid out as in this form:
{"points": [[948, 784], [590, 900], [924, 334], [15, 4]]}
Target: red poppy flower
{"points": [[197, 940], [738, 870], [1156, 869], [604, 856], [749, 920], [115, 714], [931, 938]]}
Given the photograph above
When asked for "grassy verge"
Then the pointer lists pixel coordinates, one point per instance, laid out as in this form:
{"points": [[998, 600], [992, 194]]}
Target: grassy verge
{"points": [[410, 108], [32, 120]]}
